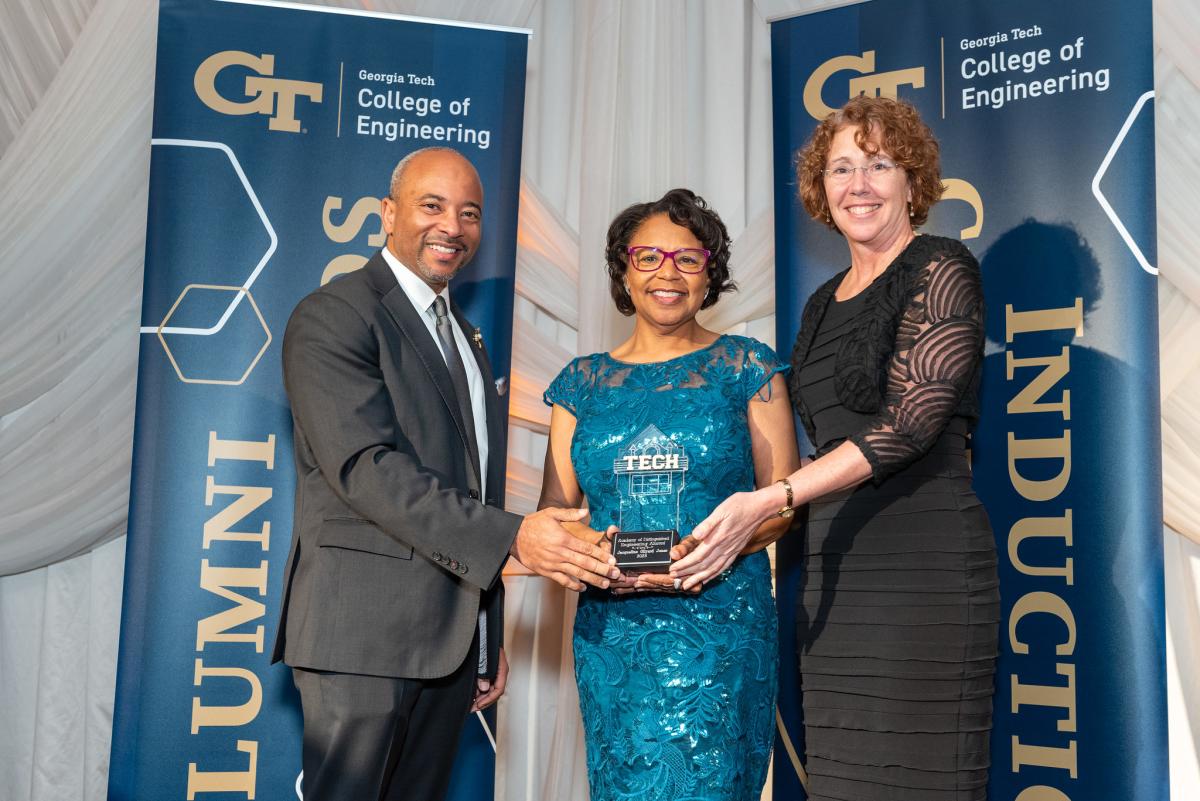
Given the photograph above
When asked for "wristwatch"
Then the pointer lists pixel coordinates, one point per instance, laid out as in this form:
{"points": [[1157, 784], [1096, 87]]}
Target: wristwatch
{"points": [[788, 510]]}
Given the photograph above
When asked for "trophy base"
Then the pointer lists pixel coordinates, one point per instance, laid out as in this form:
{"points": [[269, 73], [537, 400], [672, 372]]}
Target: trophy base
{"points": [[644, 551]]}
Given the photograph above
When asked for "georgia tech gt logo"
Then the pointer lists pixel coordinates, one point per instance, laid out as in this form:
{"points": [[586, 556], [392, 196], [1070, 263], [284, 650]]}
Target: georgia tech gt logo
{"points": [[274, 97], [882, 84]]}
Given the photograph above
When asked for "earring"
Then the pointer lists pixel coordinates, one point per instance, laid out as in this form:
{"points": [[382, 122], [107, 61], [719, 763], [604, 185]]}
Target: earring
{"points": [[910, 210]]}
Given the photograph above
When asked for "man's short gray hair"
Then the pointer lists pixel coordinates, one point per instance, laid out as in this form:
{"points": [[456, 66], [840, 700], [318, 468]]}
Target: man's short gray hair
{"points": [[402, 165]]}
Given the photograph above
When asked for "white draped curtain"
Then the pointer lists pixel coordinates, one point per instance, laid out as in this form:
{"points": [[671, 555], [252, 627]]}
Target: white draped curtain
{"points": [[625, 99]]}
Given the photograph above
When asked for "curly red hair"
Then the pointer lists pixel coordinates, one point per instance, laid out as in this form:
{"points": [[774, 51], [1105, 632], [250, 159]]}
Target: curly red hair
{"points": [[883, 124]]}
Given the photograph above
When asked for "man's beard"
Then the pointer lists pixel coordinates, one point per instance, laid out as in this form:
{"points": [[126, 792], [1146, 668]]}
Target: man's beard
{"points": [[436, 277]]}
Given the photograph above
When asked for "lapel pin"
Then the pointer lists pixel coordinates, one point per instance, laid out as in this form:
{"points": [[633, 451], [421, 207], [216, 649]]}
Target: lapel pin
{"points": [[477, 337]]}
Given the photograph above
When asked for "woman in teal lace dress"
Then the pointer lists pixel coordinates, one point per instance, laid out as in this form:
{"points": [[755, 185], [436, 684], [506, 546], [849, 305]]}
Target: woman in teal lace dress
{"points": [[677, 689]]}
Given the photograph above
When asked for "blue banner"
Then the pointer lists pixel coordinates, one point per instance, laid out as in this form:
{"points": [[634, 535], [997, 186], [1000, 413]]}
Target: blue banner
{"points": [[1045, 117], [276, 129]]}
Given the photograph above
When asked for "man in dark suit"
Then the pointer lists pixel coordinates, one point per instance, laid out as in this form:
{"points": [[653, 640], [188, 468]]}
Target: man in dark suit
{"points": [[392, 601]]}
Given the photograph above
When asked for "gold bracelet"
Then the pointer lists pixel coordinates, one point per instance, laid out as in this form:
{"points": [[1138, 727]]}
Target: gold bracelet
{"points": [[788, 510]]}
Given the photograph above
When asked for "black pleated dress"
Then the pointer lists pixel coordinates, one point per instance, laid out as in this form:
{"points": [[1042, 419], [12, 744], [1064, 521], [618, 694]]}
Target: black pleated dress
{"points": [[898, 603]]}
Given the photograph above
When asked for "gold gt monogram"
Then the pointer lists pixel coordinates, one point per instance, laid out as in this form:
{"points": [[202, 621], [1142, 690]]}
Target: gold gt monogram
{"points": [[871, 83], [274, 97]]}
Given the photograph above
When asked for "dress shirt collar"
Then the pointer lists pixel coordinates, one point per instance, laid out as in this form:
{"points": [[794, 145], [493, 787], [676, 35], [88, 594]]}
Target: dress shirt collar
{"points": [[417, 290]]}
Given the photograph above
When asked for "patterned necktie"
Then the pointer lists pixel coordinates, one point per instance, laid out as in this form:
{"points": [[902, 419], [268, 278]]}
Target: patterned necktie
{"points": [[458, 376]]}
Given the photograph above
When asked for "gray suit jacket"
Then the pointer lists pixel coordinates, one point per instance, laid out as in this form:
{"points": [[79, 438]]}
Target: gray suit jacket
{"points": [[393, 554]]}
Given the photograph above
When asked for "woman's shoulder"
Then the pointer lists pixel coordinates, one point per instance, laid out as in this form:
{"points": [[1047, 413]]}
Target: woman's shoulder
{"points": [[814, 307], [750, 355], [584, 365], [825, 291], [748, 346], [929, 249], [574, 375]]}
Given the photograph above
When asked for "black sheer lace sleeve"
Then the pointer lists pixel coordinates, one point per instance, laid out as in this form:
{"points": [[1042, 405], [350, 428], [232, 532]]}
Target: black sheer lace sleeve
{"points": [[939, 350]]}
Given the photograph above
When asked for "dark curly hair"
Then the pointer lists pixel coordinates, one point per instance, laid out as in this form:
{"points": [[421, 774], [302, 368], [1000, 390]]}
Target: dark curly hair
{"points": [[686, 209], [902, 134]]}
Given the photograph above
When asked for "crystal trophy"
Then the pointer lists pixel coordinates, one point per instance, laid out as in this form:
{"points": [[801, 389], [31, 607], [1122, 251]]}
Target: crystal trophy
{"points": [[651, 473]]}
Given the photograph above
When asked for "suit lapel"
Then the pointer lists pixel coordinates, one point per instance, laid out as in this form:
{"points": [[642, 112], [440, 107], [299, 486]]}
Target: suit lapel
{"points": [[408, 320]]}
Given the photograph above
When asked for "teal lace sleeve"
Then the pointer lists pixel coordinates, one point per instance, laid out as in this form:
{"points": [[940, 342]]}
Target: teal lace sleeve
{"points": [[563, 390], [759, 364]]}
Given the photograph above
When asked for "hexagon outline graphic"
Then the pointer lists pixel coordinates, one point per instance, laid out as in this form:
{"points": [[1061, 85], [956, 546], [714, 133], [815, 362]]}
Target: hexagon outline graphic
{"points": [[1103, 201], [162, 328], [262, 215]]}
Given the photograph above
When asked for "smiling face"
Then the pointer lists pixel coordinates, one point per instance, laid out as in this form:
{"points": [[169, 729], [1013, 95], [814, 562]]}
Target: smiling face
{"points": [[665, 297], [433, 218], [868, 211]]}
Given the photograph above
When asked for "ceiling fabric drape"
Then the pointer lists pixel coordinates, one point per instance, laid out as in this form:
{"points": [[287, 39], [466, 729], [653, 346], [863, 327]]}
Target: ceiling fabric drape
{"points": [[624, 100]]}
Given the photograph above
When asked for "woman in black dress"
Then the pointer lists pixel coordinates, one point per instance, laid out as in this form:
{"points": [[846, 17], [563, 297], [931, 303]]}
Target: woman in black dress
{"points": [[898, 603]]}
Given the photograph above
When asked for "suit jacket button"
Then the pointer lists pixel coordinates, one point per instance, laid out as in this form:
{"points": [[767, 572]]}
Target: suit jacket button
{"points": [[474, 495]]}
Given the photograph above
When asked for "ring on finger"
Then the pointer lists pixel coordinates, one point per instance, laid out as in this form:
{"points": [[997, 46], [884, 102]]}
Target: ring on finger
{"points": [[678, 584]]}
